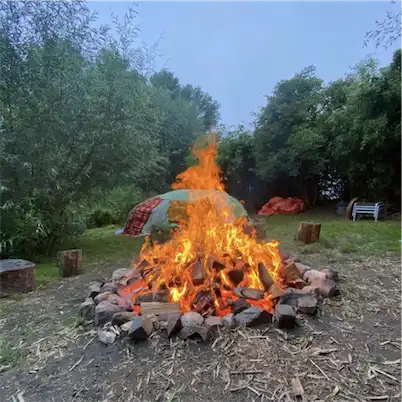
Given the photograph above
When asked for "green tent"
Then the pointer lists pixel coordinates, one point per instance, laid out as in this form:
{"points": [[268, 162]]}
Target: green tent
{"points": [[160, 212]]}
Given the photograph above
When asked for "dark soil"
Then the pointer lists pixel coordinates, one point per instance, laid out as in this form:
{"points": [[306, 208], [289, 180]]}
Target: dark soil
{"points": [[351, 351]]}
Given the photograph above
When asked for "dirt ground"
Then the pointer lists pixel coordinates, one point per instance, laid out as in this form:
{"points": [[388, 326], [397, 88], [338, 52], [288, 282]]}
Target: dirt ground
{"points": [[350, 352]]}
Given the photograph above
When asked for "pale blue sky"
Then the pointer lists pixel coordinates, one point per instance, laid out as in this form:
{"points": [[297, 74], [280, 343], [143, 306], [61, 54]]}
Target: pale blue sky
{"points": [[238, 51]]}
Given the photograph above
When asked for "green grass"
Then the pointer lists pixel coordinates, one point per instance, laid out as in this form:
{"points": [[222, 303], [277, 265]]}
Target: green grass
{"points": [[339, 238], [99, 246], [363, 237], [9, 354]]}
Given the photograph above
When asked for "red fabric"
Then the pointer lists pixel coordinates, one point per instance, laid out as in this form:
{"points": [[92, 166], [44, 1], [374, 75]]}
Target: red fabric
{"points": [[285, 206], [139, 216]]}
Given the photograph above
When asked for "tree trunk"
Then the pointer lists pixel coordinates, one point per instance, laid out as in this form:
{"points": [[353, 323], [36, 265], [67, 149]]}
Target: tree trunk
{"points": [[70, 262], [309, 232], [16, 276]]}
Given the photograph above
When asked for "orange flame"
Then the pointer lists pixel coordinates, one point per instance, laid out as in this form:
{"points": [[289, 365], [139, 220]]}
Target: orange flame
{"points": [[211, 233]]}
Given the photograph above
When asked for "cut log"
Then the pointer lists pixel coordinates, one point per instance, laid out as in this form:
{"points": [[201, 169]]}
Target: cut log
{"points": [[198, 275], [16, 276], [309, 232], [265, 276], [159, 308], [70, 262]]}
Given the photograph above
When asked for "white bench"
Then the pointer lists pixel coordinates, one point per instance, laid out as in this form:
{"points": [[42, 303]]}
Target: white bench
{"points": [[367, 208]]}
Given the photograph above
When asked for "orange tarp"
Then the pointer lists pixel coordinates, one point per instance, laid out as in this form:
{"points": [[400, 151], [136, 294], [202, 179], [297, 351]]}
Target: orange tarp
{"points": [[282, 206]]}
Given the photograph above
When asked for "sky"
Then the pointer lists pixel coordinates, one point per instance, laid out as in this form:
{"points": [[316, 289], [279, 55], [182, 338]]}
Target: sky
{"points": [[238, 51]]}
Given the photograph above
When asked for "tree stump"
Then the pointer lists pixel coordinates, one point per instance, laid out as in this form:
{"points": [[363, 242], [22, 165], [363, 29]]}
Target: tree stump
{"points": [[16, 276], [309, 232], [70, 262]]}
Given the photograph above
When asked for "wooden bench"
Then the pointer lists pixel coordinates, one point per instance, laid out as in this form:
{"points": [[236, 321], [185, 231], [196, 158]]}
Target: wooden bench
{"points": [[373, 208]]}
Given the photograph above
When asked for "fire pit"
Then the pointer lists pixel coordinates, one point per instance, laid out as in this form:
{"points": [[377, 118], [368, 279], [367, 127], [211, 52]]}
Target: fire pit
{"points": [[213, 272]]}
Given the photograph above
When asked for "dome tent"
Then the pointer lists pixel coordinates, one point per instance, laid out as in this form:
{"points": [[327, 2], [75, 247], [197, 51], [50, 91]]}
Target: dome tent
{"points": [[162, 212]]}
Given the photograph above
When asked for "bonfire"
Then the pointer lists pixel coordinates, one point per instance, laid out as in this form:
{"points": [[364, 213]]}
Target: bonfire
{"points": [[211, 259], [213, 271]]}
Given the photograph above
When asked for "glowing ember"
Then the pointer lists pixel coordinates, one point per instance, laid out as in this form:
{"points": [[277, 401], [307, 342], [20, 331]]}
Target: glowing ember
{"points": [[211, 254]]}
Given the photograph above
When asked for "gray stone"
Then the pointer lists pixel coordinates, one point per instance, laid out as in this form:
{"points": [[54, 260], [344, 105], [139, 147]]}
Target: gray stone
{"points": [[107, 337], [94, 289], [253, 316], [104, 312], [192, 318], [285, 316], [194, 332], [87, 309], [126, 326], [213, 321], [326, 287], [120, 274], [174, 324], [331, 274], [239, 305], [109, 287], [228, 321], [123, 317], [307, 304], [141, 328], [304, 300], [102, 297], [120, 301]]}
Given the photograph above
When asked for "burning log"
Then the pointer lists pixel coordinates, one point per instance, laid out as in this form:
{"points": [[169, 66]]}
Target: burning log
{"points": [[161, 296], [198, 275], [214, 263], [156, 308], [249, 293], [291, 273], [70, 262], [275, 292], [309, 232], [203, 301], [265, 276], [236, 276], [240, 305]]}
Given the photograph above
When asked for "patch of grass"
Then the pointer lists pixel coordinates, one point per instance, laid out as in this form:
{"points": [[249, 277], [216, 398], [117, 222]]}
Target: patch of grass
{"points": [[99, 246], [9, 354], [363, 237]]}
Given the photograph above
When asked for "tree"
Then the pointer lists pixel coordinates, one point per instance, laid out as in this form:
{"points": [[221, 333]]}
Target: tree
{"points": [[386, 31], [290, 149], [81, 115]]}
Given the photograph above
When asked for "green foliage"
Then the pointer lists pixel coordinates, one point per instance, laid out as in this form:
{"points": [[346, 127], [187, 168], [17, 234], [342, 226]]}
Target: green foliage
{"points": [[310, 137], [80, 117]]}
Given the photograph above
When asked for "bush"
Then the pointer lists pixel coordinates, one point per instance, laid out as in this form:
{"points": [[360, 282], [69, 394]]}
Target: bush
{"points": [[102, 217], [113, 207]]}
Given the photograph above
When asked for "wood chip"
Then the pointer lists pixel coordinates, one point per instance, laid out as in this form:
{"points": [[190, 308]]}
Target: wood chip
{"points": [[297, 388]]}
